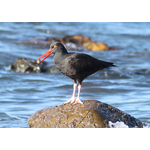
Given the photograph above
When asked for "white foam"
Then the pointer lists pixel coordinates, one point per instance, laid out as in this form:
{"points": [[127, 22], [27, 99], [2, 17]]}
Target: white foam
{"points": [[120, 124], [71, 45], [146, 126], [117, 124]]}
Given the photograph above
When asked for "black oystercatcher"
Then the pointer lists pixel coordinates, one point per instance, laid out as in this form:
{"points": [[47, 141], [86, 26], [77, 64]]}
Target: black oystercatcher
{"points": [[77, 66]]}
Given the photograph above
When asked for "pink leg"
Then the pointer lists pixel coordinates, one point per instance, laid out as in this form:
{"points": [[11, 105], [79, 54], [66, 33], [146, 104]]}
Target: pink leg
{"points": [[73, 99], [78, 98]]}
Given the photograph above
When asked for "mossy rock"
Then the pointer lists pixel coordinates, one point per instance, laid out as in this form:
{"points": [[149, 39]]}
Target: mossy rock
{"points": [[90, 114]]}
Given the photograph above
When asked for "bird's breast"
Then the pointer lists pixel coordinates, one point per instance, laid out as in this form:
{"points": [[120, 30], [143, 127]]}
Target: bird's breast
{"points": [[64, 67]]}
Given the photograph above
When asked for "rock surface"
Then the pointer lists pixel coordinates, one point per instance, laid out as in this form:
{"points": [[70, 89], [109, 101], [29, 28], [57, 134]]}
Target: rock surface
{"points": [[30, 66], [92, 114], [77, 40]]}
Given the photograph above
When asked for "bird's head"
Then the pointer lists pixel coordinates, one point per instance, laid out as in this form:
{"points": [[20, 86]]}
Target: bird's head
{"points": [[55, 47]]}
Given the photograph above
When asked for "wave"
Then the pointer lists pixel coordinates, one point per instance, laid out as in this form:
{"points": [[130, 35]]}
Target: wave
{"points": [[120, 124]]}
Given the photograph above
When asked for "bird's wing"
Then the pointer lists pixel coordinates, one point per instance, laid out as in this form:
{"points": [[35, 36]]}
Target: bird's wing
{"points": [[84, 63]]}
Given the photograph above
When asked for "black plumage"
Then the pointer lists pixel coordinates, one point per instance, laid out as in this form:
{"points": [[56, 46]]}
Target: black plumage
{"points": [[77, 66]]}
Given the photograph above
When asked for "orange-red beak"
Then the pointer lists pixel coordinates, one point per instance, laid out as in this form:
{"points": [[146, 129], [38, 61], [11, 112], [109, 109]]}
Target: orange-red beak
{"points": [[48, 53]]}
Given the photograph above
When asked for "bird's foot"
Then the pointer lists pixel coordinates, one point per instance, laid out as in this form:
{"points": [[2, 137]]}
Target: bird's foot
{"points": [[77, 101], [73, 101]]}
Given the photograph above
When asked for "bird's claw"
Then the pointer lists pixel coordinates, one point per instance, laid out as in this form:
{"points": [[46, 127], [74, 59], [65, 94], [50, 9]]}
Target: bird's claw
{"points": [[77, 101], [73, 101]]}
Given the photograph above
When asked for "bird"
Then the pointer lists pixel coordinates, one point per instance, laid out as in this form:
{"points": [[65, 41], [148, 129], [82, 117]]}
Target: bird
{"points": [[76, 66]]}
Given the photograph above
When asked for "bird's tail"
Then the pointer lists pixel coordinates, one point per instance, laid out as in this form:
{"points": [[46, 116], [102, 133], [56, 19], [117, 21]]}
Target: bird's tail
{"points": [[110, 64], [113, 65]]}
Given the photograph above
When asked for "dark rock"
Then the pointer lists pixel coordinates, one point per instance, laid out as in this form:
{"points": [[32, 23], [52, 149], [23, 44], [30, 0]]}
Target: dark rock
{"points": [[30, 66], [77, 40], [142, 72], [88, 43], [92, 114], [38, 41]]}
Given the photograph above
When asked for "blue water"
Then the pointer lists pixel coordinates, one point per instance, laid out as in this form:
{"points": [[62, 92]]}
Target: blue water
{"points": [[125, 87]]}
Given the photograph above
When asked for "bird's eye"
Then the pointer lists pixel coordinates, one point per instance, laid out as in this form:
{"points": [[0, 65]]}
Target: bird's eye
{"points": [[55, 46]]}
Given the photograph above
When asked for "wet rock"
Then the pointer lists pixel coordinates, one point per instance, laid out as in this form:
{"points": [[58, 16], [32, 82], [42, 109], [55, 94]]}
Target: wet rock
{"points": [[30, 66], [77, 40], [89, 44], [142, 72], [38, 41], [92, 114]]}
